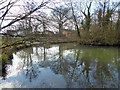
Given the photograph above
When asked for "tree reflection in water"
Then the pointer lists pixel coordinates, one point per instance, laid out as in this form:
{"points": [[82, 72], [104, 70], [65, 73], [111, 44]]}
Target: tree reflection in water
{"points": [[81, 66], [5, 66], [30, 70]]}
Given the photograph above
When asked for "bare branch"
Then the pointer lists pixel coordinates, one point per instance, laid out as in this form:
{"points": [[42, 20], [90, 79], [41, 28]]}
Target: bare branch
{"points": [[1, 2], [23, 17], [76, 24]]}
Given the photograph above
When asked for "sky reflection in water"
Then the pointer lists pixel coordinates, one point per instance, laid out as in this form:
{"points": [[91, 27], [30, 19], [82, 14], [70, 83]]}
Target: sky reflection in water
{"points": [[63, 66]]}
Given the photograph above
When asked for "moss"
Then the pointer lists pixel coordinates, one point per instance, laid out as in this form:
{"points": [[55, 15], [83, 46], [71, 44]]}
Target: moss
{"points": [[12, 47], [31, 41], [21, 46], [4, 57]]}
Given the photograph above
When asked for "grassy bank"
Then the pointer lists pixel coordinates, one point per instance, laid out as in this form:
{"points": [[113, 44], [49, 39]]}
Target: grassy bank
{"points": [[12, 44], [94, 38]]}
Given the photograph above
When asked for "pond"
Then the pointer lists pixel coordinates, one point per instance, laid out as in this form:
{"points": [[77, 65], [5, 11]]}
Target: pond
{"points": [[62, 66]]}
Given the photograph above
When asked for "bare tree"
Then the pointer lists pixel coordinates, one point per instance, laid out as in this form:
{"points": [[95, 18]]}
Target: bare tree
{"points": [[59, 16], [43, 20], [5, 9], [21, 17], [87, 17], [75, 19]]}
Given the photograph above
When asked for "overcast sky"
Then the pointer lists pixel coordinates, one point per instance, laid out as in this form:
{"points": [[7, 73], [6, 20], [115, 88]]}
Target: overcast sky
{"points": [[20, 9]]}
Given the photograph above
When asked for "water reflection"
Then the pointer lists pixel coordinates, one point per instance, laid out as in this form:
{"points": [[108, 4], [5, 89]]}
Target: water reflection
{"points": [[64, 65], [5, 67]]}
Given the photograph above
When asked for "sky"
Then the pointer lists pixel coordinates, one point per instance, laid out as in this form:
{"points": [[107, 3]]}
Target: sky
{"points": [[20, 9]]}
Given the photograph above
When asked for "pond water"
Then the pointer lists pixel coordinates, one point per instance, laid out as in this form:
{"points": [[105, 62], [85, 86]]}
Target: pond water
{"points": [[62, 66]]}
